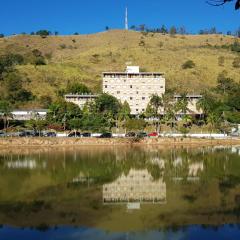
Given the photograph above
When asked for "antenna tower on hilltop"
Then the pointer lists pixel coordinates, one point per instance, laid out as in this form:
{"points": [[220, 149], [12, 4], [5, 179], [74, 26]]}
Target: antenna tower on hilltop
{"points": [[126, 19]]}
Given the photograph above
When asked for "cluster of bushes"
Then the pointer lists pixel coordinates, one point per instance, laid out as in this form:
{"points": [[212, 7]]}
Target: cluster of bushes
{"points": [[12, 81], [188, 64]]}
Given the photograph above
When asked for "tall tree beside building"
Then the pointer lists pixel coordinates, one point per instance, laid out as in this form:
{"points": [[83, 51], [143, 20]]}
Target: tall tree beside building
{"points": [[5, 113]]}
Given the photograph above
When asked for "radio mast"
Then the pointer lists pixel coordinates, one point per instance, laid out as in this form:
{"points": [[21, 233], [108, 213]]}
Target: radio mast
{"points": [[126, 19]]}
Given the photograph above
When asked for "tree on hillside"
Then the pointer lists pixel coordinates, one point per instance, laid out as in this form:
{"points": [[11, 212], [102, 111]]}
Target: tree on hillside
{"points": [[222, 2], [173, 31], [163, 29], [188, 64], [1, 35], [8, 62], [224, 83], [14, 89], [43, 33]]}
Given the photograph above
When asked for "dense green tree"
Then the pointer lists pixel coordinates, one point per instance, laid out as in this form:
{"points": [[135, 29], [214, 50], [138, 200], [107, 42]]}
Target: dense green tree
{"points": [[154, 108], [62, 112], [124, 113], [107, 104], [224, 83], [14, 87], [37, 125], [77, 88], [43, 33], [5, 113], [95, 122], [7, 63], [75, 123]]}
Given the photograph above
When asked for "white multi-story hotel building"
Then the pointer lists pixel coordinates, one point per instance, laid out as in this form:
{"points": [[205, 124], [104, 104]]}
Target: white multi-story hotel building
{"points": [[137, 187], [134, 86]]}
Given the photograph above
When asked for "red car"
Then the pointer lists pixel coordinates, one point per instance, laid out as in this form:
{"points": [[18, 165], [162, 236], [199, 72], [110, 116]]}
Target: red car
{"points": [[153, 134]]}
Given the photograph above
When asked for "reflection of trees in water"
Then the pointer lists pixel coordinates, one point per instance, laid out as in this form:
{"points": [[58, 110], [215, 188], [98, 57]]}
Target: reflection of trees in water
{"points": [[68, 171], [105, 164]]}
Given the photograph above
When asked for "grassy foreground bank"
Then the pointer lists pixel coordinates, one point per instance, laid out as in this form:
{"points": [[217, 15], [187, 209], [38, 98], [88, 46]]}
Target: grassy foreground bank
{"points": [[165, 142]]}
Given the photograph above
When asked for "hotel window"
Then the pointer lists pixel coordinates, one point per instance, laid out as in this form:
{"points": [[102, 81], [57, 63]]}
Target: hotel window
{"points": [[143, 109], [137, 92], [105, 86], [143, 98], [161, 86], [118, 92], [131, 98], [136, 110], [130, 86]]}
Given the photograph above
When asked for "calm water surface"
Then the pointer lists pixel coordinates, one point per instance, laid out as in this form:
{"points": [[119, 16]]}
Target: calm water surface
{"points": [[120, 193]]}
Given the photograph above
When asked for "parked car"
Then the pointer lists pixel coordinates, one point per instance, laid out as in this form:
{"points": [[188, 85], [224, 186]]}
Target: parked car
{"points": [[27, 133], [106, 135], [74, 134], [130, 134], [142, 135], [86, 134], [2, 134], [50, 134], [153, 134]]}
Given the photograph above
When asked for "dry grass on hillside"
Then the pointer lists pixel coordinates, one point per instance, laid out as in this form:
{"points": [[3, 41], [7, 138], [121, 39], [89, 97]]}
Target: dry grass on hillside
{"points": [[84, 57]]}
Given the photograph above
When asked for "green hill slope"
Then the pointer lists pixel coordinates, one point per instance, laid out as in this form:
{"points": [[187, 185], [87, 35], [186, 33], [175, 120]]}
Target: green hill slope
{"points": [[84, 57]]}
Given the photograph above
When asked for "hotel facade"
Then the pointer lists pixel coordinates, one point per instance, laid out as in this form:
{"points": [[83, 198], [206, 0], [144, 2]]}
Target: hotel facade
{"points": [[134, 86]]}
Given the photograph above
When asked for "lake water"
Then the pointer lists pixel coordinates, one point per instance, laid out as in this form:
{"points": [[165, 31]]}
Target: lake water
{"points": [[120, 193]]}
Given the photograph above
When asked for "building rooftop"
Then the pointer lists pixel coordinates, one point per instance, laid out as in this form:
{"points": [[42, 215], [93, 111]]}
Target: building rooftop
{"points": [[81, 95], [140, 73], [188, 96]]}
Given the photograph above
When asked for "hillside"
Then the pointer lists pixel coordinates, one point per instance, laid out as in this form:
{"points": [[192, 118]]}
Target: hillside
{"points": [[84, 57]]}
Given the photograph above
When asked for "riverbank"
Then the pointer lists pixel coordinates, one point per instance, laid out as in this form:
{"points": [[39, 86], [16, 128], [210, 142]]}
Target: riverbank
{"points": [[165, 142]]}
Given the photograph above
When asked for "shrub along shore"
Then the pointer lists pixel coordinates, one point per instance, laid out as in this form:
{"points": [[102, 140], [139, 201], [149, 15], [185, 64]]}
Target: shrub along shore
{"points": [[165, 142]]}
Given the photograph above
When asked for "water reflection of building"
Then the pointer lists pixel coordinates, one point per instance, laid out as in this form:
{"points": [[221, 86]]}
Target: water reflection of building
{"points": [[137, 187], [25, 164], [82, 178]]}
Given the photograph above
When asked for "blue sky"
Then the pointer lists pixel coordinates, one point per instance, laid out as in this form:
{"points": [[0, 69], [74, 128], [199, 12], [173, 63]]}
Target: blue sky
{"points": [[89, 16]]}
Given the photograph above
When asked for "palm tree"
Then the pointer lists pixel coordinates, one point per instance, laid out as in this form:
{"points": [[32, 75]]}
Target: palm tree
{"points": [[5, 113], [182, 104], [124, 113], [155, 104]]}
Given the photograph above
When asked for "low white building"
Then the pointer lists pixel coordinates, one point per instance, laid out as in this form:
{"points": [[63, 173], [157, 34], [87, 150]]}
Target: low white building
{"points": [[24, 115], [192, 103], [80, 99]]}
